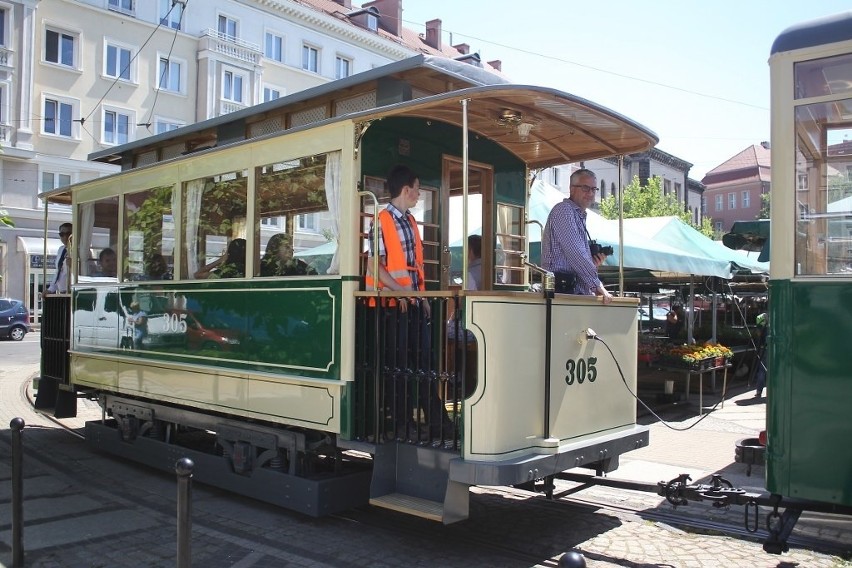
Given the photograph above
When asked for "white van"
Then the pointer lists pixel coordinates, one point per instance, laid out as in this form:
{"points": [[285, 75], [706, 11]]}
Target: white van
{"points": [[100, 319]]}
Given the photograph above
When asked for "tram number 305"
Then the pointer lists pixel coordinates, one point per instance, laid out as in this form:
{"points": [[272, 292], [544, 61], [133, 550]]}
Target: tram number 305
{"points": [[580, 370], [174, 323]]}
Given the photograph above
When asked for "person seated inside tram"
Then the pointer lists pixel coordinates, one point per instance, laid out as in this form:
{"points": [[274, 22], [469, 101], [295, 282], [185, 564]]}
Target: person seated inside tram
{"points": [[107, 263], [278, 260], [157, 268], [232, 264]]}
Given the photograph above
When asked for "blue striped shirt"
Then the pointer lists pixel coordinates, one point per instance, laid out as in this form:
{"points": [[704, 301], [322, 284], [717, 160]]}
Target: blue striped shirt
{"points": [[565, 246]]}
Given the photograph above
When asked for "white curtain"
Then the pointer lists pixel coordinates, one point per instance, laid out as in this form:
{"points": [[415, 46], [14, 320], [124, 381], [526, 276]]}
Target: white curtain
{"points": [[332, 196], [194, 192], [84, 247], [176, 224]]}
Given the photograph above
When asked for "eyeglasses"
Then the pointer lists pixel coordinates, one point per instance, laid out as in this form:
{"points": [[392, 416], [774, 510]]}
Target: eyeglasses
{"points": [[586, 188], [64, 234]]}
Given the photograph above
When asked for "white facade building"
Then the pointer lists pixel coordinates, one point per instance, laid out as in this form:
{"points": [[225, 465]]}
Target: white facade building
{"points": [[80, 76]]}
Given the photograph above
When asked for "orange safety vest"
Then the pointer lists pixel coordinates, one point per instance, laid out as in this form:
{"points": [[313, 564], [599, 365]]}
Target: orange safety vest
{"points": [[396, 265]]}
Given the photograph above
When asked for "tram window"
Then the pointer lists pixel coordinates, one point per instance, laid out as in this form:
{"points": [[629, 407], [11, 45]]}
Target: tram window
{"points": [[214, 214], [296, 231], [98, 230], [824, 204], [149, 234], [826, 76], [511, 244]]}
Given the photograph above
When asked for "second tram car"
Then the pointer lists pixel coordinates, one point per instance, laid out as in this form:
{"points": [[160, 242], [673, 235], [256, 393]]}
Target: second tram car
{"points": [[273, 375]]}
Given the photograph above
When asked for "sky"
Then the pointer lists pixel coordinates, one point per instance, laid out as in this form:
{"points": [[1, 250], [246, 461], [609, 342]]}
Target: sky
{"points": [[696, 73]]}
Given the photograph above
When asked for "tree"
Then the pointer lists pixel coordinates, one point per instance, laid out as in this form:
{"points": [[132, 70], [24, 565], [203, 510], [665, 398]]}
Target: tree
{"points": [[765, 206], [650, 201]]}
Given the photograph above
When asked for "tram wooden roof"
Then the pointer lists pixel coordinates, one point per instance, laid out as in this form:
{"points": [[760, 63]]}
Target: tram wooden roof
{"points": [[565, 128]]}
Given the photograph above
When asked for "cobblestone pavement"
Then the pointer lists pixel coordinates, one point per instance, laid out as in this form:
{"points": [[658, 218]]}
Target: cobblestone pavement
{"points": [[86, 509]]}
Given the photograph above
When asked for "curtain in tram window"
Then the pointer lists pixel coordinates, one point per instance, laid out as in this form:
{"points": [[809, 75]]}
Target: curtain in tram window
{"points": [[84, 247], [332, 196], [194, 192], [175, 223], [504, 225]]}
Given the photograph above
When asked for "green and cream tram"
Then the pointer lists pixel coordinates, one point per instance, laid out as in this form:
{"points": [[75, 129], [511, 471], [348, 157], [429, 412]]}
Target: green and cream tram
{"points": [[273, 381]]}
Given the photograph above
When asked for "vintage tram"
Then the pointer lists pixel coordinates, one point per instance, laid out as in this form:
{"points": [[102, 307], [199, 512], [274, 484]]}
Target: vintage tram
{"points": [[809, 384], [277, 381]]}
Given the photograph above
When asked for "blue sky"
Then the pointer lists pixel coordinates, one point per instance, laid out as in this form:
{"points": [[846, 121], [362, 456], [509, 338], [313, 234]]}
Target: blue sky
{"points": [[695, 73]]}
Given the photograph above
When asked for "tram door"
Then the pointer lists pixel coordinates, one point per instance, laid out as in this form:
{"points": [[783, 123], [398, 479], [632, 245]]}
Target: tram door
{"points": [[479, 219]]}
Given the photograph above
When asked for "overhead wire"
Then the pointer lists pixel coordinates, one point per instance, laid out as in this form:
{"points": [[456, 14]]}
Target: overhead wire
{"points": [[147, 123], [605, 71], [83, 120]]}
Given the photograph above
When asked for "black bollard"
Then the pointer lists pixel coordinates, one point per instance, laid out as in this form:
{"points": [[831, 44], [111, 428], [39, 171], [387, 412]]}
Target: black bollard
{"points": [[572, 559], [183, 468], [17, 426]]}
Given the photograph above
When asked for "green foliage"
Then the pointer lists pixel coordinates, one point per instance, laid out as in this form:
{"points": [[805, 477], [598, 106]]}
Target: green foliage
{"points": [[765, 206], [6, 219], [649, 201]]}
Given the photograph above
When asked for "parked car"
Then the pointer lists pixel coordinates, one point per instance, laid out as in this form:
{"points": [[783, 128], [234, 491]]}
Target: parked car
{"points": [[14, 319], [206, 331]]}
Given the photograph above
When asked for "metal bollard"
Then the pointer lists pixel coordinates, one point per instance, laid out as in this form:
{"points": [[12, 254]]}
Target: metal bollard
{"points": [[183, 468], [17, 426]]}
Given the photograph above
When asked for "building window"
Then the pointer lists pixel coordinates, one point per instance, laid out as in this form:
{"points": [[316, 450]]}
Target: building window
{"points": [[271, 222], [165, 125], [556, 177], [227, 27], [678, 190], [171, 13], [4, 16], [667, 186], [270, 94], [342, 68], [232, 87], [123, 6], [802, 181], [170, 75], [59, 47], [307, 222], [117, 62], [117, 127], [703, 204], [310, 58], [746, 199], [274, 47], [718, 226], [53, 180], [58, 118], [719, 206], [732, 201]]}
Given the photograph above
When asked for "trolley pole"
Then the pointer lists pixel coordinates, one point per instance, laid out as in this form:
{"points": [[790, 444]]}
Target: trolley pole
{"points": [[183, 468], [17, 426]]}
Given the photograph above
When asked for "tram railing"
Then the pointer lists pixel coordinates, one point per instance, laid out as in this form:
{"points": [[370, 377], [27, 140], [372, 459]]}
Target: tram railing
{"points": [[413, 368]]}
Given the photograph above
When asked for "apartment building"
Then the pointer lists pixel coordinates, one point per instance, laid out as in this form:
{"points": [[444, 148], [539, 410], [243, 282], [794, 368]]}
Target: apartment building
{"points": [[80, 76], [735, 187]]}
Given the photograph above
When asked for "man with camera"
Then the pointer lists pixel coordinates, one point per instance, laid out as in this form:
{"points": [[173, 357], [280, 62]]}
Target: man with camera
{"points": [[567, 250]]}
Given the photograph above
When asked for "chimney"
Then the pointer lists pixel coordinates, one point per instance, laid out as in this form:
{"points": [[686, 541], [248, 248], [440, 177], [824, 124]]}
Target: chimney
{"points": [[496, 64], [390, 14], [433, 34], [462, 48], [345, 3]]}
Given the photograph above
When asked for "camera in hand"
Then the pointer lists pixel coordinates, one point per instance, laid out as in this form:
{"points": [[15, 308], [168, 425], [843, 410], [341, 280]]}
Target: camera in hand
{"points": [[597, 249]]}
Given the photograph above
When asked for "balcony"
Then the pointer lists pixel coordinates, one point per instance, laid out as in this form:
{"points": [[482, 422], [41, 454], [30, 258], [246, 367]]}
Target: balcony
{"points": [[227, 107], [6, 57], [229, 46]]}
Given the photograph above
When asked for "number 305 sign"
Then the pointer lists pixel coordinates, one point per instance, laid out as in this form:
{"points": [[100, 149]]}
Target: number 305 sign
{"points": [[580, 370]]}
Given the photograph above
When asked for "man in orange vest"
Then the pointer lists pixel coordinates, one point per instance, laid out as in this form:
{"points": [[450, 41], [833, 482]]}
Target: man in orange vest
{"points": [[409, 349]]}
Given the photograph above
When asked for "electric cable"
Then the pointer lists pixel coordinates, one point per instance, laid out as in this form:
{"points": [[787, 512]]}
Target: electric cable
{"points": [[590, 334], [147, 123]]}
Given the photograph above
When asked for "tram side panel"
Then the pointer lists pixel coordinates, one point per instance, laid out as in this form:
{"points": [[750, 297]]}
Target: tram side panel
{"points": [[588, 399], [270, 350], [809, 389]]}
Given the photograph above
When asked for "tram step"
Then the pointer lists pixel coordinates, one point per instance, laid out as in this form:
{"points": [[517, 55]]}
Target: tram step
{"points": [[432, 510]]}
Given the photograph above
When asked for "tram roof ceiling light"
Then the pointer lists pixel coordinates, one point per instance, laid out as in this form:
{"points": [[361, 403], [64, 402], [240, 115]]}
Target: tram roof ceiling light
{"points": [[524, 129], [509, 118]]}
